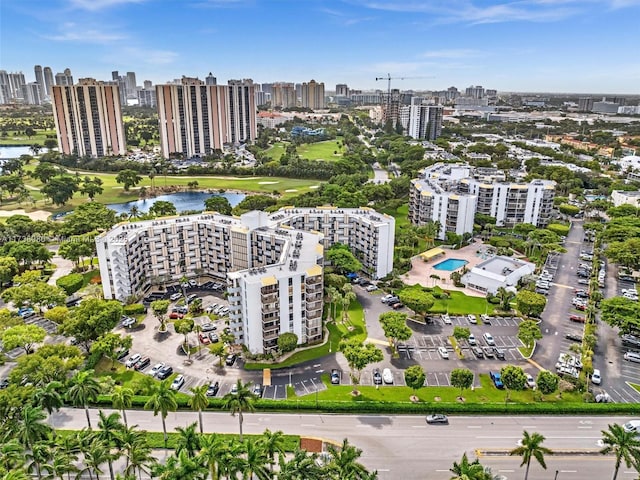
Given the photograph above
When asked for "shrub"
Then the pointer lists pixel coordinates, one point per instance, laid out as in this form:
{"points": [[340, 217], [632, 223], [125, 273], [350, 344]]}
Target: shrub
{"points": [[71, 283], [287, 342], [134, 309]]}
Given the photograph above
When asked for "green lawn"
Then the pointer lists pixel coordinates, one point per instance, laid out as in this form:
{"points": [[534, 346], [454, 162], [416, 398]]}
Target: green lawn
{"points": [[310, 151], [487, 393], [23, 140], [114, 193], [461, 304], [275, 151], [355, 327]]}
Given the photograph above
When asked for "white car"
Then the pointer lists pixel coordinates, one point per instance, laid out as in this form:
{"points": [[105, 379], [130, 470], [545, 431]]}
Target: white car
{"points": [[444, 353], [472, 340], [596, 378], [488, 338], [371, 288], [531, 383], [446, 319], [177, 383], [132, 360], [156, 368], [387, 376], [472, 318], [175, 296], [211, 308]]}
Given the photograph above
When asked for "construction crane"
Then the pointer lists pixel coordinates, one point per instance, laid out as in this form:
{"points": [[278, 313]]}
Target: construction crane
{"points": [[388, 113]]}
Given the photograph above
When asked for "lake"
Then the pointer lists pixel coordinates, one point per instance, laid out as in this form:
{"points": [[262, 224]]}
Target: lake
{"points": [[183, 201], [15, 152]]}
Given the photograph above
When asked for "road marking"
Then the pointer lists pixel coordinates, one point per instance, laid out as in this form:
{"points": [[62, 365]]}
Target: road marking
{"points": [[474, 426], [585, 427], [308, 425], [573, 471], [418, 426]]}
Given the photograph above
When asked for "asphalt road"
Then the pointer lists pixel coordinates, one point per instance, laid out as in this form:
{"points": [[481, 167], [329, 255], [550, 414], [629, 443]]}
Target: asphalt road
{"points": [[405, 446]]}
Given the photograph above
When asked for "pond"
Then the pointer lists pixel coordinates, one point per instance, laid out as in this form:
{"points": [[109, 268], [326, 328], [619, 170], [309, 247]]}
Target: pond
{"points": [[14, 152], [183, 201]]}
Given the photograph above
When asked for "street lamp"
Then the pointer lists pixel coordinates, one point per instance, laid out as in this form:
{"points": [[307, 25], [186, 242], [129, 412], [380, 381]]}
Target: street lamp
{"points": [[556, 477]]}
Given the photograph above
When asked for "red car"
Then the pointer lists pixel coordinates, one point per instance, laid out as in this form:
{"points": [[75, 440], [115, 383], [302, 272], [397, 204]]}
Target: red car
{"points": [[204, 338], [582, 307], [577, 318], [176, 315]]}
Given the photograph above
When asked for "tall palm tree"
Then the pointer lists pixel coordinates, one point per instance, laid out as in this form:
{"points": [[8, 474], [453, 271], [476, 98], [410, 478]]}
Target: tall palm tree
{"points": [[40, 454], [121, 398], [62, 463], [16, 474], [188, 440], [212, 447], [230, 462], [344, 462], [110, 431], [256, 461], [466, 470], [302, 466], [199, 401], [505, 297], [163, 401], [95, 455], [180, 467], [49, 397], [11, 455], [531, 447], [138, 453], [84, 389], [624, 446], [240, 401], [32, 427], [273, 443]]}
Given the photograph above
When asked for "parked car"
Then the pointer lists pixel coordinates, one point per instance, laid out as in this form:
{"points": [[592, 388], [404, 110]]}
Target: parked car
{"points": [[335, 377], [387, 376], [632, 426], [437, 419], [488, 351], [377, 377], [371, 288], [577, 318], [630, 340], [204, 339], [471, 318], [122, 354], [156, 368], [211, 308], [193, 283], [143, 363], [444, 353], [213, 337], [446, 319], [257, 390], [486, 319], [164, 372], [477, 351], [212, 391], [472, 340], [488, 338], [397, 306], [176, 315], [208, 326], [497, 379], [574, 337], [632, 357], [531, 383], [386, 298], [177, 383], [175, 296], [128, 322], [132, 360], [596, 378], [234, 389], [499, 353], [230, 360]]}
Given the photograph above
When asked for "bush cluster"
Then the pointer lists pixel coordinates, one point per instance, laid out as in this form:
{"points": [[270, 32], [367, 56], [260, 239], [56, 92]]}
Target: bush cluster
{"points": [[71, 283]]}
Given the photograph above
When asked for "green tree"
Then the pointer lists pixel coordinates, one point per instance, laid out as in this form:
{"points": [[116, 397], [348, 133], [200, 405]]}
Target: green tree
{"points": [[547, 382], [163, 401], [622, 313], [110, 345], [92, 319], [219, 350], [50, 143], [466, 470], [302, 466], [461, 333], [185, 327], [623, 445], [128, 178], [91, 187], [358, 357], [394, 325], [188, 440], [567, 209], [505, 296], [529, 332], [218, 203], [60, 189], [45, 171], [22, 336], [414, 377], [160, 308], [241, 401], [75, 250], [256, 461], [27, 252], [342, 259], [110, 429], [513, 377], [49, 397], [83, 389], [416, 299], [8, 269], [199, 401], [86, 218], [344, 462], [531, 447], [121, 399], [36, 294], [273, 443], [287, 342], [530, 304], [162, 208], [461, 378]]}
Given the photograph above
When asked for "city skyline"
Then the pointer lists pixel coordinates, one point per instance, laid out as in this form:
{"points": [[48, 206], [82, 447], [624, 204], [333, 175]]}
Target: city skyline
{"points": [[532, 45]]}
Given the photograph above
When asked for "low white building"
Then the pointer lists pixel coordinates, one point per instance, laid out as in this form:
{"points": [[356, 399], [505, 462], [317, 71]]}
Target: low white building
{"points": [[497, 272], [621, 197]]}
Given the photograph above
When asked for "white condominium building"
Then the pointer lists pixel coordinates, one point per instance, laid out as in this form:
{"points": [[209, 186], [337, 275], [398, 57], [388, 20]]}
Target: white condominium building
{"points": [[273, 269], [449, 194]]}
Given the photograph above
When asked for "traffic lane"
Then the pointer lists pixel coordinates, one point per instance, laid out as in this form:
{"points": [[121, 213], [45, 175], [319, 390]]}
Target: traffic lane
{"points": [[568, 467]]}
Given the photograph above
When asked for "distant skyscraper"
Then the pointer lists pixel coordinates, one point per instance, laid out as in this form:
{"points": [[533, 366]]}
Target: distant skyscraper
{"points": [[196, 119], [40, 80], [298, 91], [132, 86], [148, 84], [5, 88], [115, 75], [210, 79], [585, 104], [31, 94], [48, 80], [67, 73], [267, 88], [476, 92], [16, 81], [283, 95], [425, 121], [88, 118], [64, 78], [313, 95], [147, 97], [342, 90]]}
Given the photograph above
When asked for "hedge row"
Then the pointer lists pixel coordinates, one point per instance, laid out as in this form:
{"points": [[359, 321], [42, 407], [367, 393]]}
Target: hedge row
{"points": [[134, 309], [70, 283], [310, 405]]}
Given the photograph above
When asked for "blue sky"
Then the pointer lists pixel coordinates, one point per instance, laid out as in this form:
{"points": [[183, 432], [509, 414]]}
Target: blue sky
{"points": [[586, 46]]}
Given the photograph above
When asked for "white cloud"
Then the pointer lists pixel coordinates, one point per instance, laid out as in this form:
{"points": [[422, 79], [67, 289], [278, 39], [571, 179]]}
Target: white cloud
{"points": [[100, 4], [71, 32], [343, 18], [133, 55]]}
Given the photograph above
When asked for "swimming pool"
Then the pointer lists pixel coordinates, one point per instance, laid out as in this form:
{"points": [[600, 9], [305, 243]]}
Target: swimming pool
{"points": [[450, 264]]}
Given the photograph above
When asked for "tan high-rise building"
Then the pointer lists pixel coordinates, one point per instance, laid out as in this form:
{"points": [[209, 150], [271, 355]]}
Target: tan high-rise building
{"points": [[283, 95], [313, 95], [88, 118], [196, 119]]}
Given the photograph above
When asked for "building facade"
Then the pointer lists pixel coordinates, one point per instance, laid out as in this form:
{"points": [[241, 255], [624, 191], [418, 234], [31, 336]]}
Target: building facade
{"points": [[452, 194], [425, 121], [48, 80], [40, 80], [88, 119], [31, 94], [196, 119], [283, 95], [312, 94], [272, 268]]}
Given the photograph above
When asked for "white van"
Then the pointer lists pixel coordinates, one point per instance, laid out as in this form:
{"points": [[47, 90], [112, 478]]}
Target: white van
{"points": [[489, 339]]}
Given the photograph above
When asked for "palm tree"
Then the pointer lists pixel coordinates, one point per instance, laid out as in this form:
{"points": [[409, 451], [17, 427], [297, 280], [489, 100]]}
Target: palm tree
{"points": [[347, 297], [624, 445], [63, 462], [39, 454], [188, 440], [49, 397], [163, 401], [110, 430], [84, 389], [121, 398], [180, 467], [505, 297], [138, 453], [531, 447], [343, 461], [211, 450], [240, 401], [273, 442], [302, 466], [256, 461], [11, 455], [466, 470], [96, 454], [32, 428], [199, 401]]}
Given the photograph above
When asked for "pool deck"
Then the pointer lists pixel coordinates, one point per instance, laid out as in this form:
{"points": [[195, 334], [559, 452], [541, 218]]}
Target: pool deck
{"points": [[421, 271]]}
